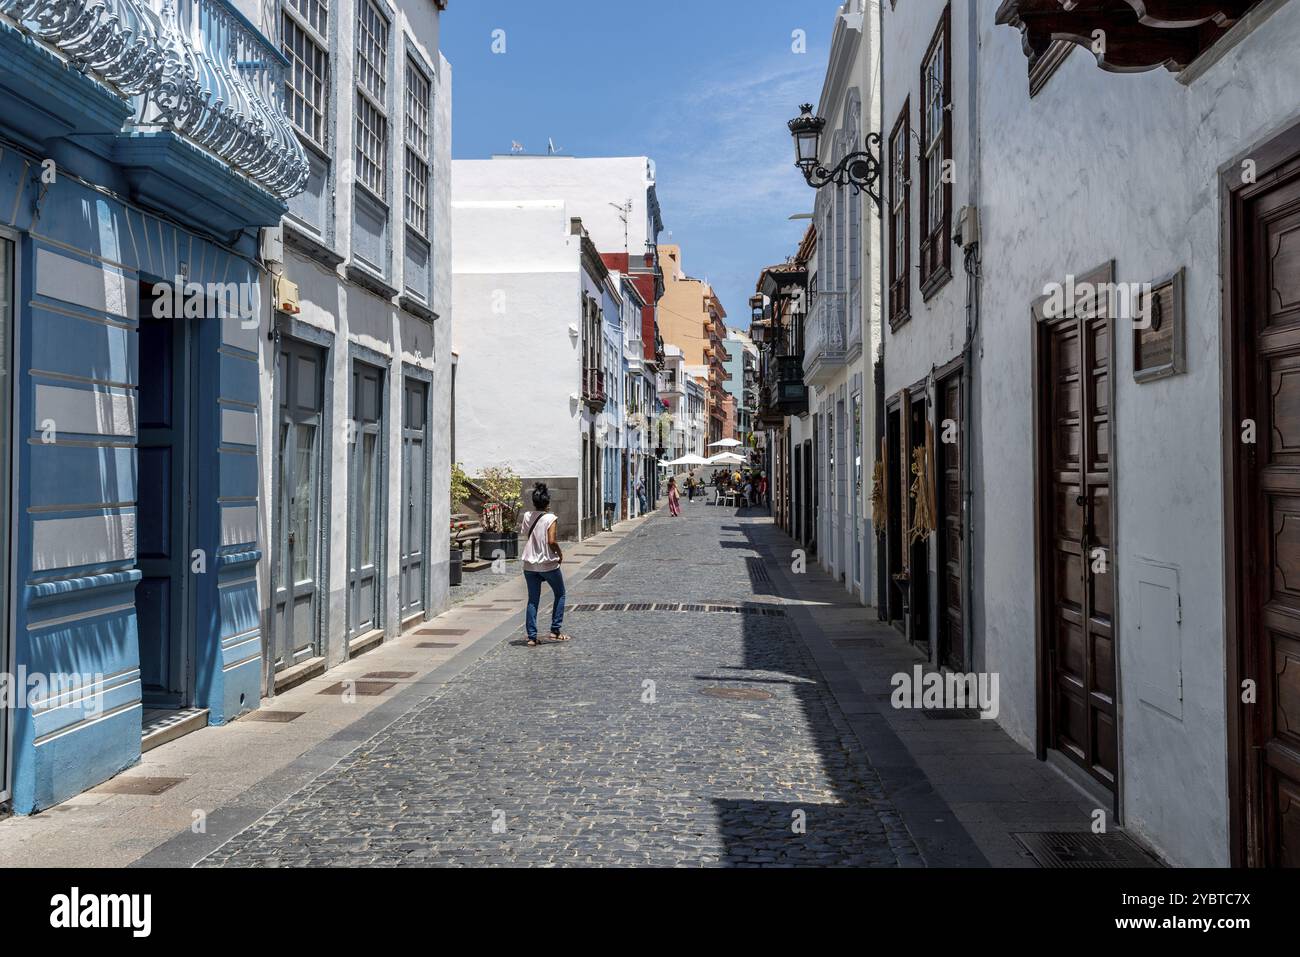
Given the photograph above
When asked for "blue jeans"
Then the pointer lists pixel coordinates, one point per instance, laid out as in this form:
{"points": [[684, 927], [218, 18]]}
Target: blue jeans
{"points": [[554, 578]]}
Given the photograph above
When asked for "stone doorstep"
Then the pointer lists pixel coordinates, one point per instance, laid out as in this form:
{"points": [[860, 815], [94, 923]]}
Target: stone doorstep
{"points": [[298, 674], [367, 642], [175, 726]]}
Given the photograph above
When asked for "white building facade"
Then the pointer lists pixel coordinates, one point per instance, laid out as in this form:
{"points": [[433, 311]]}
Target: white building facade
{"points": [[841, 333], [356, 371], [528, 294], [1095, 304]]}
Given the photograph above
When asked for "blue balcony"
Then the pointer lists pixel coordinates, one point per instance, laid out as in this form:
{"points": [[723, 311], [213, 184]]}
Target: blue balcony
{"points": [[201, 91]]}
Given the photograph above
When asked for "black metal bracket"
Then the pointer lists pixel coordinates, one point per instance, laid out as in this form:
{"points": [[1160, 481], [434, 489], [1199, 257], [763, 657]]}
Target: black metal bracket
{"points": [[860, 170]]}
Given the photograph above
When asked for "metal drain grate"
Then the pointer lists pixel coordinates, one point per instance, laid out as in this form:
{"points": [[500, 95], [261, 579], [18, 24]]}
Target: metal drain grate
{"points": [[1083, 850], [601, 571], [385, 675], [951, 714], [437, 644], [857, 643], [737, 694], [679, 607], [443, 631], [366, 688]]}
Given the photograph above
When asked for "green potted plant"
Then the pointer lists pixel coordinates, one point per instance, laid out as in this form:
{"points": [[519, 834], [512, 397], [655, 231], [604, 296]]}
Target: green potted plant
{"points": [[459, 493], [502, 492]]}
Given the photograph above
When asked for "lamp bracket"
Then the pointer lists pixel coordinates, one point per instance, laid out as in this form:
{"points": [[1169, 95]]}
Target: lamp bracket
{"points": [[861, 170]]}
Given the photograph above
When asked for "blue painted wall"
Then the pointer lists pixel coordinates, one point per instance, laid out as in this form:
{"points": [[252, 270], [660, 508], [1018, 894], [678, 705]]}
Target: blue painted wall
{"points": [[83, 244]]}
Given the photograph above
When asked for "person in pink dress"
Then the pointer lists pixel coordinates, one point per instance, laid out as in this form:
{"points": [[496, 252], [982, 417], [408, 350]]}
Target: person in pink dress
{"points": [[674, 499]]}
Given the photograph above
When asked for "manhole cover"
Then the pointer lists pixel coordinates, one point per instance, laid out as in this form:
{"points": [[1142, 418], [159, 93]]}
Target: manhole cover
{"points": [[368, 688], [737, 694], [1083, 850], [277, 717]]}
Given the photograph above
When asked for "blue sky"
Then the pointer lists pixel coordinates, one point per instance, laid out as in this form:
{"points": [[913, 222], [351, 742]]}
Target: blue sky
{"points": [[703, 87]]}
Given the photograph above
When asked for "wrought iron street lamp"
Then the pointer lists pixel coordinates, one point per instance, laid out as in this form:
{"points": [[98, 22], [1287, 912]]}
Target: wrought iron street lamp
{"points": [[861, 170]]}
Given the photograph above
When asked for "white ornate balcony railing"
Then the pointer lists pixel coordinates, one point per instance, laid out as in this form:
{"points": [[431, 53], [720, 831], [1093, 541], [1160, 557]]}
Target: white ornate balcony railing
{"points": [[825, 335], [193, 66]]}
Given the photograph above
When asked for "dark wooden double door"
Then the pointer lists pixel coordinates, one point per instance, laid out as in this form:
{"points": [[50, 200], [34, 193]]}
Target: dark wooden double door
{"points": [[1076, 577], [1266, 562]]}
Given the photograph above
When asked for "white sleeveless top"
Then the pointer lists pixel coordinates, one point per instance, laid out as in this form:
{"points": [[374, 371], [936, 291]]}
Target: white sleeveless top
{"points": [[537, 555]]}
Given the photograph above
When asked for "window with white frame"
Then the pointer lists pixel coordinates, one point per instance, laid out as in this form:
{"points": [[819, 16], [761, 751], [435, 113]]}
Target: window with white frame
{"points": [[372, 90], [304, 30], [417, 148]]}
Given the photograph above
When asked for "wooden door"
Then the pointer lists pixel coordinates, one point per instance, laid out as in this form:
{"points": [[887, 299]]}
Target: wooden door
{"points": [[1077, 573], [896, 516], [415, 524], [1269, 277], [948, 468], [8, 295], [296, 557], [916, 414], [162, 552], [365, 500]]}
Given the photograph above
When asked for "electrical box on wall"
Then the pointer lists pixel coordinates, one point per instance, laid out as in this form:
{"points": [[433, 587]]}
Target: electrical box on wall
{"points": [[286, 296], [272, 246], [1158, 655], [966, 227]]}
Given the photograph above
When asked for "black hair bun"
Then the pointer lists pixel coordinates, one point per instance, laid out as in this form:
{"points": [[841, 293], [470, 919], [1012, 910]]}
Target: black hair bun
{"points": [[540, 487]]}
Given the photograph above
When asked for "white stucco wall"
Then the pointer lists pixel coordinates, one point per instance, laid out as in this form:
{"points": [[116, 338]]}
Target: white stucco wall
{"points": [[517, 302], [936, 332], [1131, 163], [337, 314], [843, 514], [587, 185]]}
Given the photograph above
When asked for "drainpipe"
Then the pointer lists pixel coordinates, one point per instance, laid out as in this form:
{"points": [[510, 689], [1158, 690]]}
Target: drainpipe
{"points": [[971, 256], [881, 543]]}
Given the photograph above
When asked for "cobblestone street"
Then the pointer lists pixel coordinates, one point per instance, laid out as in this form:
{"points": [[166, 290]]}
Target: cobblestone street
{"points": [[636, 743]]}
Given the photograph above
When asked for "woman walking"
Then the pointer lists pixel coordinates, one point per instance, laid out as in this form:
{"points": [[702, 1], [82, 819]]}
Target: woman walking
{"points": [[542, 559], [674, 499]]}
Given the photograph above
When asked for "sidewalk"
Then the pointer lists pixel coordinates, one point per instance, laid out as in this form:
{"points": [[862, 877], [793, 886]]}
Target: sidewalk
{"points": [[218, 779], [935, 770]]}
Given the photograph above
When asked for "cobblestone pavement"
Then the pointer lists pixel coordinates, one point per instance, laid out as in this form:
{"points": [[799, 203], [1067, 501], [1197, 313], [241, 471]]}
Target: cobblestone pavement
{"points": [[607, 749]]}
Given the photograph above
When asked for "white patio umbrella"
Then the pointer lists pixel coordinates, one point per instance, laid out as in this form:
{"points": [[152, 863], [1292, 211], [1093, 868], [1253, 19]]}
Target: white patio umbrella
{"points": [[727, 458], [691, 459], [726, 444]]}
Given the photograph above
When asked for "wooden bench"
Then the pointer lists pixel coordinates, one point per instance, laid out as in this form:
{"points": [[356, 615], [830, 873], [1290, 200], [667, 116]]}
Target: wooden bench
{"points": [[467, 531]]}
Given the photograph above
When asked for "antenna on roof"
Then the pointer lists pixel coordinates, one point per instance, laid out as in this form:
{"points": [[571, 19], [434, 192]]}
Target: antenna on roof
{"points": [[516, 146], [551, 148]]}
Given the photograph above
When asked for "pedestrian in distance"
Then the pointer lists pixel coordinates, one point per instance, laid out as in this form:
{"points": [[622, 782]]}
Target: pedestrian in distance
{"points": [[640, 495], [542, 559], [674, 500]]}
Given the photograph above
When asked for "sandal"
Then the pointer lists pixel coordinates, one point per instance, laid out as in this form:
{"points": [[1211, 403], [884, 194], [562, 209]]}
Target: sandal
{"points": [[560, 636], [532, 642]]}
